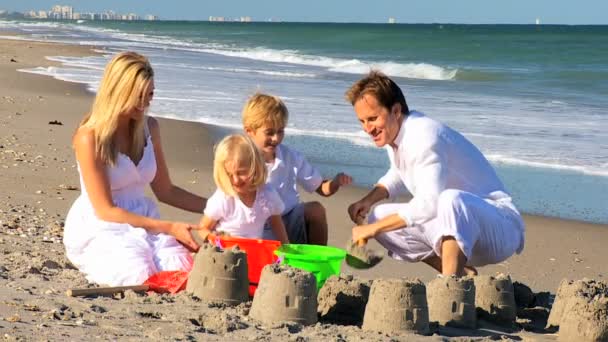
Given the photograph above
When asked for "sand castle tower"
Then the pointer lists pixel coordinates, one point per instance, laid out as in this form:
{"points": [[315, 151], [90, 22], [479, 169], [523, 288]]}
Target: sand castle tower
{"points": [[219, 275], [580, 311], [342, 300], [568, 290], [452, 301], [285, 294], [397, 305], [495, 299], [586, 319]]}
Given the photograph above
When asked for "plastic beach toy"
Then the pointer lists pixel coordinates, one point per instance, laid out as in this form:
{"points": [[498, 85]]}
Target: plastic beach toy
{"points": [[259, 254], [322, 261]]}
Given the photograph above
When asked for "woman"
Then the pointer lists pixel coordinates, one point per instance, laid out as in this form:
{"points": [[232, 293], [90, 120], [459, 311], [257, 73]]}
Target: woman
{"points": [[113, 233]]}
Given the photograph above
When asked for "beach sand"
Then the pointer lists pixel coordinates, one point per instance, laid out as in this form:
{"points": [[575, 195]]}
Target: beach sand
{"points": [[39, 182]]}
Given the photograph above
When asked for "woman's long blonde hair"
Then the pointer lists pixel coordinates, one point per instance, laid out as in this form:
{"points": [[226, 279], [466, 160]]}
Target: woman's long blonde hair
{"points": [[123, 87]]}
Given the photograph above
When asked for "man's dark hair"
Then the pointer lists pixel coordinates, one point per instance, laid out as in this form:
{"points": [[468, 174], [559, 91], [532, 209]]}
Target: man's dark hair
{"points": [[385, 90]]}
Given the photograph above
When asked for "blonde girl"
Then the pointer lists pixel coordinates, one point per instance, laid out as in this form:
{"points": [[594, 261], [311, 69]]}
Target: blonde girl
{"points": [[243, 202], [113, 233]]}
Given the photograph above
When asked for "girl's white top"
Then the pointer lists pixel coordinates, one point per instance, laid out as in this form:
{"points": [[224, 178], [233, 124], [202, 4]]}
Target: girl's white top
{"points": [[235, 218]]}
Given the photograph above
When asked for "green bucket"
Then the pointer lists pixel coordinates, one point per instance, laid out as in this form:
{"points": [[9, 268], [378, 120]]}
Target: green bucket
{"points": [[321, 261]]}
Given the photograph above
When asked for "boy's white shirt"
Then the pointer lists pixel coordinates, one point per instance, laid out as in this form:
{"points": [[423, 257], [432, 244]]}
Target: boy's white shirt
{"points": [[288, 169], [235, 218]]}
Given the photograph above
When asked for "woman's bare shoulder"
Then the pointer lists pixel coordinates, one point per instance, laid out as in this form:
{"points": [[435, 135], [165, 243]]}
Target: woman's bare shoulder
{"points": [[84, 137]]}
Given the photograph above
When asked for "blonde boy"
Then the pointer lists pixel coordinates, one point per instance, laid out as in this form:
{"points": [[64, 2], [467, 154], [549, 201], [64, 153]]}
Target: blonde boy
{"points": [[264, 120]]}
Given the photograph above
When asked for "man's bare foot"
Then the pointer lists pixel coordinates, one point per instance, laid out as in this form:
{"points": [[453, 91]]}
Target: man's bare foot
{"points": [[470, 271]]}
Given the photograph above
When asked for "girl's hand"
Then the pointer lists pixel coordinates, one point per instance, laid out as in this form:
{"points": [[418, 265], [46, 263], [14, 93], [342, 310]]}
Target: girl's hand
{"points": [[182, 232]]}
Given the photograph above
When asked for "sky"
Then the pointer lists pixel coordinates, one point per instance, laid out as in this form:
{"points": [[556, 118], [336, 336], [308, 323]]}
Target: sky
{"points": [[569, 12]]}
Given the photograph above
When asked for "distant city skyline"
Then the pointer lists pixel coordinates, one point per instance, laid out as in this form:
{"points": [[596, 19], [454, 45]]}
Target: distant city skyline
{"points": [[589, 12]]}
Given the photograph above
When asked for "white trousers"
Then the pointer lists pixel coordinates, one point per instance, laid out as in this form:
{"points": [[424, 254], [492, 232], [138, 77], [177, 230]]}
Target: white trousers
{"points": [[487, 231]]}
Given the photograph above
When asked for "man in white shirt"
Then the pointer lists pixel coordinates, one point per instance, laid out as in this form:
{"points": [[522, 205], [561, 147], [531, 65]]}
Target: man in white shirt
{"points": [[460, 215]]}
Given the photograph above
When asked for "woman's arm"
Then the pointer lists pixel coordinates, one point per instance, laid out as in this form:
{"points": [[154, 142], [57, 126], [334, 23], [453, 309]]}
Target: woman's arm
{"points": [[163, 187], [97, 186], [278, 228]]}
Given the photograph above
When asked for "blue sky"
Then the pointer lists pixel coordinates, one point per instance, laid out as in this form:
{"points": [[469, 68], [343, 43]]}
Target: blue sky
{"points": [[404, 11]]}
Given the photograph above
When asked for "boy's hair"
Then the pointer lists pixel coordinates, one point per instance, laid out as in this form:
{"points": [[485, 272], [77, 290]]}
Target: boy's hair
{"points": [[377, 84], [262, 109], [241, 150]]}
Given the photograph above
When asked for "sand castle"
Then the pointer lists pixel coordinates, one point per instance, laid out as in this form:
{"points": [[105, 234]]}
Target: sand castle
{"points": [[495, 299], [219, 275], [397, 305], [285, 294], [342, 300], [452, 301], [580, 311]]}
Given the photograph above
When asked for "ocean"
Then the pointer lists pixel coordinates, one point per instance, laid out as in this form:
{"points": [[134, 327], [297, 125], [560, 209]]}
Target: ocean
{"points": [[533, 98]]}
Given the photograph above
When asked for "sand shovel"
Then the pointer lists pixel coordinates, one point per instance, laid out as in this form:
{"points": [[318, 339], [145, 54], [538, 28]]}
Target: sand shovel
{"points": [[359, 256], [161, 282]]}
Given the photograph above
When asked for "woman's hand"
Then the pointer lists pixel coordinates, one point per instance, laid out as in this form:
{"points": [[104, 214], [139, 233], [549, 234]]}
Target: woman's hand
{"points": [[182, 232]]}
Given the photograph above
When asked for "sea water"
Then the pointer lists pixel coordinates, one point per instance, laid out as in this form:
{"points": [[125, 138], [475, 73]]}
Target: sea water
{"points": [[534, 99]]}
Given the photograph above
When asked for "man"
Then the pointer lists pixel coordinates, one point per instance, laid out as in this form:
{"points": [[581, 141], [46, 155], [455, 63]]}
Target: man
{"points": [[460, 215]]}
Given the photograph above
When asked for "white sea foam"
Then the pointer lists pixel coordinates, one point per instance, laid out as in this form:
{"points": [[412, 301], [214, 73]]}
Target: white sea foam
{"points": [[350, 66], [587, 170]]}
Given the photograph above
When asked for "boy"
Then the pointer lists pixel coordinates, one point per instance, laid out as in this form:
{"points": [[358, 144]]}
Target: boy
{"points": [[264, 120]]}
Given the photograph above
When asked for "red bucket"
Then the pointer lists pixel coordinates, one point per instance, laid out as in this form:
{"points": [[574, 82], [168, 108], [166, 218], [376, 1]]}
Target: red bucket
{"points": [[259, 254]]}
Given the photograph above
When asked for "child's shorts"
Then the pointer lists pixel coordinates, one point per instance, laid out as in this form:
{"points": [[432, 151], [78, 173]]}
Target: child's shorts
{"points": [[295, 224]]}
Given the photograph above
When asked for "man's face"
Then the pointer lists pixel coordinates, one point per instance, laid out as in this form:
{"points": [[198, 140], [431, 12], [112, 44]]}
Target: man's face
{"points": [[267, 138], [381, 124]]}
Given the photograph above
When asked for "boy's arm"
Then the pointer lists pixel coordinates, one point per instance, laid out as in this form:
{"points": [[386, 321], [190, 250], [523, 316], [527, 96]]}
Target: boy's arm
{"points": [[331, 186], [278, 228]]}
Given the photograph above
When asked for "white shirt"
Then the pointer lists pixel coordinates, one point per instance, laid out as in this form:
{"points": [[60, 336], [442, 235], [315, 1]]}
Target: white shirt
{"points": [[235, 218], [431, 157], [290, 167]]}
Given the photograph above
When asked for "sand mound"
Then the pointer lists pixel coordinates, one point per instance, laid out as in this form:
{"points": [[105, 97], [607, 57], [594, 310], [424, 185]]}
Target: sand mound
{"points": [[342, 300]]}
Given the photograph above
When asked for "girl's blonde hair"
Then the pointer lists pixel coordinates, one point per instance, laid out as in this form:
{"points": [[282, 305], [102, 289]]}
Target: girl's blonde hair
{"points": [[123, 87], [263, 109], [241, 150]]}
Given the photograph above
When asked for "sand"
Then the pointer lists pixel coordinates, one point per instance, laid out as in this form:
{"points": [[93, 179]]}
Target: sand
{"points": [[39, 182]]}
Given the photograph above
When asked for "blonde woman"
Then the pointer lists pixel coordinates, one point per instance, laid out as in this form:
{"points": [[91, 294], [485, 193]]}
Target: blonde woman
{"points": [[113, 233], [243, 202]]}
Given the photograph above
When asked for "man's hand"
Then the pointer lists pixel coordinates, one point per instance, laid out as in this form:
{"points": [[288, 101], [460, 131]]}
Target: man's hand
{"points": [[358, 211], [363, 232]]}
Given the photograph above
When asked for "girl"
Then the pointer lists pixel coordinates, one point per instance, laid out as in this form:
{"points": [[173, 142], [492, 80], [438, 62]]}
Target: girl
{"points": [[113, 233], [243, 202]]}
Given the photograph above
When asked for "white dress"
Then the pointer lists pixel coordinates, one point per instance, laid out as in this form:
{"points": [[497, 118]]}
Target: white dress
{"points": [[118, 254]]}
